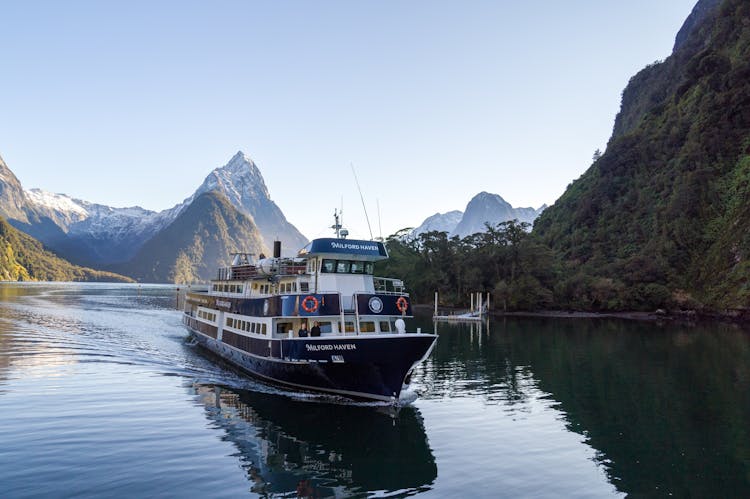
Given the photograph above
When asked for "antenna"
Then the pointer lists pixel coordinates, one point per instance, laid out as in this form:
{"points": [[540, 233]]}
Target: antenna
{"points": [[380, 227], [337, 223], [363, 200]]}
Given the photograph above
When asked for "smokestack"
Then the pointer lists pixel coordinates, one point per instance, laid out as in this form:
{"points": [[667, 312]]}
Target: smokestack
{"points": [[277, 249]]}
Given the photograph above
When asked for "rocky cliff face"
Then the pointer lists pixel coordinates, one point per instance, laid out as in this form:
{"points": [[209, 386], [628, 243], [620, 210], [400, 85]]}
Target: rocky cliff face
{"points": [[12, 198]]}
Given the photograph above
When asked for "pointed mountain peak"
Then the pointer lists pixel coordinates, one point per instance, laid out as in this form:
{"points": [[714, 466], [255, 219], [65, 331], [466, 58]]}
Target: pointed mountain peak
{"points": [[238, 180], [240, 160]]}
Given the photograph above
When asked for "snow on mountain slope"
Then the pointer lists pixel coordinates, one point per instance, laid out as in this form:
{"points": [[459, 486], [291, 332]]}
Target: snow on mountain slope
{"points": [[114, 234]]}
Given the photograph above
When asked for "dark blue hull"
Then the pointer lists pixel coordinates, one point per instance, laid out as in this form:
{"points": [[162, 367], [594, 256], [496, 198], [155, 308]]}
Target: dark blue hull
{"points": [[366, 367]]}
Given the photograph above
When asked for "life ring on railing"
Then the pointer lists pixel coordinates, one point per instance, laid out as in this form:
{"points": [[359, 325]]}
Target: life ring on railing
{"points": [[310, 304], [402, 304]]}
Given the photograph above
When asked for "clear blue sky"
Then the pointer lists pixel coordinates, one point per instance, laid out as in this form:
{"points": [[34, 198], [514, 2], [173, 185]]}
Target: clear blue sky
{"points": [[134, 103]]}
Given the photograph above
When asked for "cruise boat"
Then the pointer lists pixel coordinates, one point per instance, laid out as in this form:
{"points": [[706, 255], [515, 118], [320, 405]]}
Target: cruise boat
{"points": [[354, 341]]}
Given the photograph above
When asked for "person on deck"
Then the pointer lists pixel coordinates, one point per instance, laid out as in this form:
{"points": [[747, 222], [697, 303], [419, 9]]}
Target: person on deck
{"points": [[400, 326], [315, 331], [302, 333]]}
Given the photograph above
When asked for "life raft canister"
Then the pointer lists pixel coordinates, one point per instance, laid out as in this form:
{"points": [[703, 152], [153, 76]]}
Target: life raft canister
{"points": [[310, 304], [402, 304]]}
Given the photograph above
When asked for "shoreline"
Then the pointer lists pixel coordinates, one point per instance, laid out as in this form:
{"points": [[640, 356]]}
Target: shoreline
{"points": [[737, 316]]}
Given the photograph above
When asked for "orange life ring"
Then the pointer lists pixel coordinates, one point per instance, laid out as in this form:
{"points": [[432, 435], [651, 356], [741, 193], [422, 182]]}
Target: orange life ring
{"points": [[402, 304], [310, 304]]}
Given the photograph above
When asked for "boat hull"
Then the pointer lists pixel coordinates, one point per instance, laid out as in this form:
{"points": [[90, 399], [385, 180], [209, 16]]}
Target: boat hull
{"points": [[362, 367]]}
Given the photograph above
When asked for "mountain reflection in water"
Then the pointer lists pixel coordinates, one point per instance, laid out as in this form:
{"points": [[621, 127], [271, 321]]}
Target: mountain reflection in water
{"points": [[318, 449], [665, 406]]}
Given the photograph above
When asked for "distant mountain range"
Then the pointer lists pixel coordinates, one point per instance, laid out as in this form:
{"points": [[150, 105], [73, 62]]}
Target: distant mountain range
{"points": [[114, 238], [484, 208]]}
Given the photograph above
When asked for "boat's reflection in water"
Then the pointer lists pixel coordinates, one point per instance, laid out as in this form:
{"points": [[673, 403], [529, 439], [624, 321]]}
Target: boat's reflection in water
{"points": [[318, 449]]}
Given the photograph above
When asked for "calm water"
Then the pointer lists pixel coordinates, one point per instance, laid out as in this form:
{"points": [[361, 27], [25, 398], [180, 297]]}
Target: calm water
{"points": [[101, 395]]}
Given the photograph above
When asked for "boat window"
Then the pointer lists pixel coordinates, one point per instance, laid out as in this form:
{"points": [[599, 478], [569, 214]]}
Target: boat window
{"points": [[264, 329], [328, 266], [342, 266], [358, 267], [349, 327], [385, 327], [325, 327], [369, 268], [284, 327], [366, 327], [304, 287]]}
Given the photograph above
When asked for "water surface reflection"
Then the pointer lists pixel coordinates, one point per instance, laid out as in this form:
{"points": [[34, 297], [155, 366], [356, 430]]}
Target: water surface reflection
{"points": [[665, 406], [318, 449]]}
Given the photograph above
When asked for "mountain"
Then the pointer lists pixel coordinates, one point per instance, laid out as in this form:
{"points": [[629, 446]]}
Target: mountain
{"points": [[89, 233], [486, 208], [662, 217], [12, 197], [482, 208], [243, 185], [22, 258], [196, 243], [98, 235], [439, 222]]}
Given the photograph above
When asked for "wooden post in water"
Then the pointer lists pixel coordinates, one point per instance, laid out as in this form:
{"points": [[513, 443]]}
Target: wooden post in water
{"points": [[472, 302], [436, 300]]}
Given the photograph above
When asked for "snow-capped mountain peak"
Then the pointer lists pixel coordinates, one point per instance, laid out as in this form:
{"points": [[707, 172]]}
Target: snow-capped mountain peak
{"points": [[57, 202], [240, 180]]}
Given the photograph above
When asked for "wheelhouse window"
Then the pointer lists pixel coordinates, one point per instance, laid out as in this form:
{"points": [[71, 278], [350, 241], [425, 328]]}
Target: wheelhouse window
{"points": [[367, 327], [347, 267]]}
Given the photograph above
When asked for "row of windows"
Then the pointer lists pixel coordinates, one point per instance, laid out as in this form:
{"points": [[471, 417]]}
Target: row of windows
{"points": [[283, 287], [209, 316], [283, 328], [227, 288], [250, 327], [347, 267], [367, 327]]}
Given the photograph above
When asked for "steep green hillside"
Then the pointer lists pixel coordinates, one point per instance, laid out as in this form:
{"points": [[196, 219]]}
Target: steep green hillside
{"points": [[196, 243], [663, 217], [22, 258]]}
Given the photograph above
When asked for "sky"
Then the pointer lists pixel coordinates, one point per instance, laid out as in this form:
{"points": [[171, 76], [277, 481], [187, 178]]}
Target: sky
{"points": [[431, 102]]}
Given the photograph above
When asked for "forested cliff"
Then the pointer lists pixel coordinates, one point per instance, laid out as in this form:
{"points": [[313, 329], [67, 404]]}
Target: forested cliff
{"points": [[662, 218]]}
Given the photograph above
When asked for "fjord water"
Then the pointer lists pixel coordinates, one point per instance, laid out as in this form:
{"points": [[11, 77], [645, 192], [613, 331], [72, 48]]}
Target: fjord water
{"points": [[102, 395]]}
